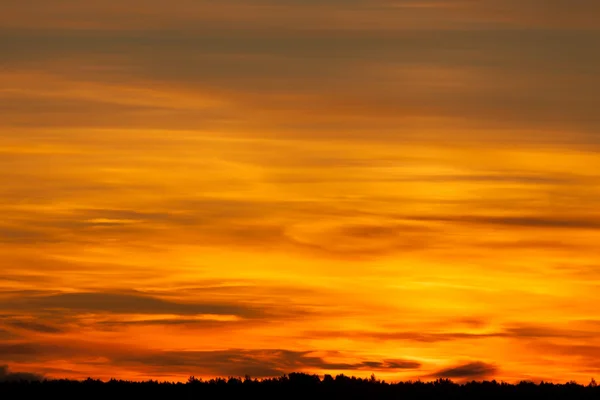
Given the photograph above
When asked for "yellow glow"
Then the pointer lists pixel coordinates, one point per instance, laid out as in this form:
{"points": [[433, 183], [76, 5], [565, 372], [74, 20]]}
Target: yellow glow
{"points": [[387, 189]]}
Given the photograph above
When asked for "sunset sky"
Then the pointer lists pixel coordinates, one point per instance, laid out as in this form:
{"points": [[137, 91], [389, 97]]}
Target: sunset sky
{"points": [[409, 188]]}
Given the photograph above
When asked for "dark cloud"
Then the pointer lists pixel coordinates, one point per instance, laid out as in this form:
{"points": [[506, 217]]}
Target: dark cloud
{"points": [[254, 288], [15, 235], [233, 362], [223, 363], [56, 112], [8, 376], [472, 370], [561, 14], [506, 78], [595, 323], [243, 224], [126, 303], [507, 177], [8, 293], [35, 326], [37, 278], [215, 221], [239, 223], [21, 351], [533, 332], [391, 364], [547, 222], [7, 335], [559, 244], [312, 15], [589, 352], [257, 363], [514, 331], [425, 337], [189, 323]]}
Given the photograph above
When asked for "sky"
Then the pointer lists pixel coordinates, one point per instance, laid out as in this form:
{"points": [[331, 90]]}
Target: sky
{"points": [[408, 188]]}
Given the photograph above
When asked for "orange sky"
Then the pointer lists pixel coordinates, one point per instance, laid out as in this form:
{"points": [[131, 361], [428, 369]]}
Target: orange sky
{"points": [[399, 187]]}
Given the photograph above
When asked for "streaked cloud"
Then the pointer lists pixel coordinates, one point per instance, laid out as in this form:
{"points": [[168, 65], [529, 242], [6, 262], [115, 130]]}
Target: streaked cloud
{"points": [[119, 303], [234, 187]]}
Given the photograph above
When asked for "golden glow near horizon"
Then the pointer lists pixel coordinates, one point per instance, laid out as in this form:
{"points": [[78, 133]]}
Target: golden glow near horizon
{"points": [[405, 188]]}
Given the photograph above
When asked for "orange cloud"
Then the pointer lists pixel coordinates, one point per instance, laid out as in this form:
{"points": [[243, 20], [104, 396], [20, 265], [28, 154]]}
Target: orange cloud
{"points": [[407, 188]]}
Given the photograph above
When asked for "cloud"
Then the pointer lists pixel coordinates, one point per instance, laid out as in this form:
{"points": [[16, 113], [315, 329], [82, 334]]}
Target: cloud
{"points": [[425, 337], [122, 303], [203, 323], [7, 376], [253, 71], [531, 331], [586, 351], [25, 278], [13, 235], [547, 222], [22, 351], [207, 310], [314, 107], [34, 326], [258, 363], [391, 364], [312, 15], [514, 331], [53, 111], [557, 14], [231, 362], [379, 231], [472, 370], [6, 335]]}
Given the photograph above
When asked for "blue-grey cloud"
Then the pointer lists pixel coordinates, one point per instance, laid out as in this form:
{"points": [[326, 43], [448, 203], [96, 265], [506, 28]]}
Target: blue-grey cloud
{"points": [[506, 79], [125, 303], [258, 363], [471, 370], [8, 376]]}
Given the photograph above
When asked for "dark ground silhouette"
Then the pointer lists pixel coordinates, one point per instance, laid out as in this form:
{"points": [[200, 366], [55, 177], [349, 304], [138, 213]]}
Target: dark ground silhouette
{"points": [[293, 386]]}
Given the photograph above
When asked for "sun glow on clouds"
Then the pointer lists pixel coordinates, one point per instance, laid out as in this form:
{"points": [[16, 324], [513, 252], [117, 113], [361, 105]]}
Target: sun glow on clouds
{"points": [[391, 187]]}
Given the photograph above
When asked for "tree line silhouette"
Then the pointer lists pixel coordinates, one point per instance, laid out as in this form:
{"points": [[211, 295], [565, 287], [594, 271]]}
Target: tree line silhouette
{"points": [[293, 386]]}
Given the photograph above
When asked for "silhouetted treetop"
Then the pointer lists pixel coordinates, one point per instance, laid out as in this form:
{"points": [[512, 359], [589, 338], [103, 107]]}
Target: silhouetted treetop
{"points": [[293, 386]]}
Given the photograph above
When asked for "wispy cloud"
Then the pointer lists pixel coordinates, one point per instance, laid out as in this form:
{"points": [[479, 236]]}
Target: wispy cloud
{"points": [[358, 176]]}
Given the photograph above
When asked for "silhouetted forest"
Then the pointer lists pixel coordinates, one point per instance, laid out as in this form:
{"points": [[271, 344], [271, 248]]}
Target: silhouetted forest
{"points": [[293, 386]]}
